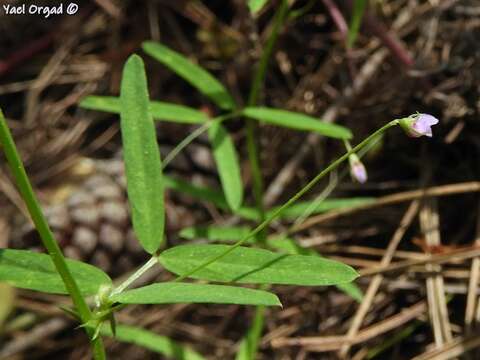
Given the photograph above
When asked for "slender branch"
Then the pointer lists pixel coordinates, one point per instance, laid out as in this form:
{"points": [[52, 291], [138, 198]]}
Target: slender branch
{"points": [[46, 234]]}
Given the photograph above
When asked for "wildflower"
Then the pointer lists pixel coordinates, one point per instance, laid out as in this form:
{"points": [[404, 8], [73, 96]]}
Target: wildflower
{"points": [[357, 169], [417, 125]]}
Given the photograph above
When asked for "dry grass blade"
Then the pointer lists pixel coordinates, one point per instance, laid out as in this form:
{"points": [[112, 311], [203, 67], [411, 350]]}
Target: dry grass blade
{"points": [[473, 285], [451, 349], [332, 343], [437, 304], [444, 190], [377, 280], [462, 254], [34, 336]]}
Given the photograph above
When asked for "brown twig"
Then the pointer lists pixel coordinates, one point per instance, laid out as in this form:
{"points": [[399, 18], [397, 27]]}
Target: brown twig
{"points": [[452, 349]]}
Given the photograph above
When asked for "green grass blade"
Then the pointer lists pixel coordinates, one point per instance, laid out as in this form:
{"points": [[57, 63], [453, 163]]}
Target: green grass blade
{"points": [[297, 121], [159, 110], [228, 167], [34, 271], [151, 341], [184, 293], [198, 77], [142, 158], [357, 15]]}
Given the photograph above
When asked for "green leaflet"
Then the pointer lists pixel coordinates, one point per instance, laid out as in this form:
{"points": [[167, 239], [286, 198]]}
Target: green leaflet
{"points": [[159, 110], [228, 167], [34, 271], [177, 292], [255, 266], [297, 121], [198, 77], [142, 158]]}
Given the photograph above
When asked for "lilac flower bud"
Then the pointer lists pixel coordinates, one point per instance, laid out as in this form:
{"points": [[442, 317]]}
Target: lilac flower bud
{"points": [[357, 169], [417, 125]]}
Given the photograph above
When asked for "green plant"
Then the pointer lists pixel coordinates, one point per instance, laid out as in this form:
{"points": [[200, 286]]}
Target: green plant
{"points": [[223, 264]]}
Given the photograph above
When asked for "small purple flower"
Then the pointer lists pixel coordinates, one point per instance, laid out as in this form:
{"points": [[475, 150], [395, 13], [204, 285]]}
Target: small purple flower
{"points": [[418, 125], [358, 172]]}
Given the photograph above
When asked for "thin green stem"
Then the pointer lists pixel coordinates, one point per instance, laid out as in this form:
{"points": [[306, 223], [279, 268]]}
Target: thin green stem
{"points": [[199, 131], [316, 202], [253, 336], [328, 190], [43, 229], [347, 144], [132, 278], [253, 158], [257, 83], [293, 199]]}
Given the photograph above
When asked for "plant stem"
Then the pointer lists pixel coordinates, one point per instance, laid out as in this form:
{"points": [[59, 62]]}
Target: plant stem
{"points": [[263, 63], [199, 131], [46, 234], [132, 278], [347, 144], [328, 189], [253, 336], [293, 199], [258, 80]]}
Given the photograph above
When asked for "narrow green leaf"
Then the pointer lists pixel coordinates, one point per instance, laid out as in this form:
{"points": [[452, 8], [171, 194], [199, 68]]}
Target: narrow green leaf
{"points": [[255, 266], [142, 158], [357, 15], [198, 77], [256, 5], [30, 270], [151, 341], [159, 110], [290, 246], [299, 208], [227, 164], [216, 233], [213, 196], [174, 293], [297, 121]]}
